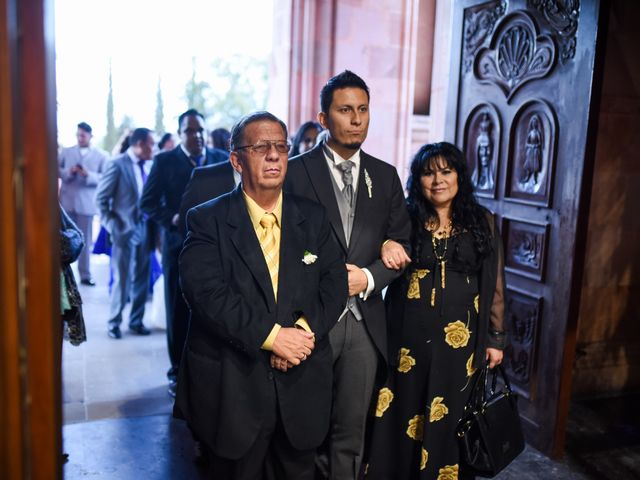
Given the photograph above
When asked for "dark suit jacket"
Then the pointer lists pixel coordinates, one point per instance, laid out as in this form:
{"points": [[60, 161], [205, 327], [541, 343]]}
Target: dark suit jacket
{"points": [[379, 216], [226, 387], [163, 191], [219, 155], [206, 183]]}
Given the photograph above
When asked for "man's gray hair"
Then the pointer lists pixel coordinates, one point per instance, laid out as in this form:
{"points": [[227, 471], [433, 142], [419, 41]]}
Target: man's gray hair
{"points": [[237, 132]]}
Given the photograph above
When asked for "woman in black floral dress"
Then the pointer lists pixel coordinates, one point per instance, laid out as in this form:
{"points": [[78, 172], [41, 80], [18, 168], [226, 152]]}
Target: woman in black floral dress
{"points": [[446, 318]]}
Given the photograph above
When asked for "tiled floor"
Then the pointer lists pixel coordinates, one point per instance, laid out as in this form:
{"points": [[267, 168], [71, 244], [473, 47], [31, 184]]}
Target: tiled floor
{"points": [[118, 424]]}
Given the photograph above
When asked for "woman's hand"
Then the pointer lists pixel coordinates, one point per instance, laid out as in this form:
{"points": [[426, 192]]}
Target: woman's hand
{"points": [[393, 255], [494, 356]]}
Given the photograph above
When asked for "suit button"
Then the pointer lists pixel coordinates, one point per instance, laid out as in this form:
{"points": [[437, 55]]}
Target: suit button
{"points": [[270, 375]]}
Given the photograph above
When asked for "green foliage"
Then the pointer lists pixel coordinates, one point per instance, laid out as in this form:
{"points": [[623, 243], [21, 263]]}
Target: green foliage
{"points": [[233, 90], [196, 91], [111, 136], [235, 93], [159, 127]]}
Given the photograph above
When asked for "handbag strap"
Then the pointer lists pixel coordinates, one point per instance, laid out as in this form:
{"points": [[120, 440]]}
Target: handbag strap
{"points": [[499, 369]]}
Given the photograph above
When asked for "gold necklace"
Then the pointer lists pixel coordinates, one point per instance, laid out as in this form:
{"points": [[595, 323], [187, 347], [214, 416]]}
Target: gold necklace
{"points": [[442, 258], [433, 225]]}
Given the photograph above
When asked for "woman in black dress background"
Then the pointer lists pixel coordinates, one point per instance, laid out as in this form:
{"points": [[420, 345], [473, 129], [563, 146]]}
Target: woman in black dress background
{"points": [[445, 317]]}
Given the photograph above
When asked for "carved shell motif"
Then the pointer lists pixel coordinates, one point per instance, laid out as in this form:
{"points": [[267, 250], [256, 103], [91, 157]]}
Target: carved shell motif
{"points": [[516, 55]]}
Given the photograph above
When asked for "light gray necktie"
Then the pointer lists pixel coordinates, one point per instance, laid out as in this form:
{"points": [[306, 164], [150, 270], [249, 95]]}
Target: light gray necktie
{"points": [[347, 178]]}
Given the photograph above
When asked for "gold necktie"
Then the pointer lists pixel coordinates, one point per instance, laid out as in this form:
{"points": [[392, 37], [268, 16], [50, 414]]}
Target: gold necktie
{"points": [[270, 249]]}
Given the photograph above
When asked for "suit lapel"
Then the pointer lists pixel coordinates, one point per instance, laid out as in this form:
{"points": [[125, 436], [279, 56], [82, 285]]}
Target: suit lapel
{"points": [[246, 242], [320, 179], [362, 201], [292, 246], [127, 165]]}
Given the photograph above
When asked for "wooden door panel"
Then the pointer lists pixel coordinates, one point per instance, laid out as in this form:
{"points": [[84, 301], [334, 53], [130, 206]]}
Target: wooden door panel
{"points": [[522, 85]]}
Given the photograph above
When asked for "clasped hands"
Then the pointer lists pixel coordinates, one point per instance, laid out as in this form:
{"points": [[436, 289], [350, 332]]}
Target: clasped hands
{"points": [[78, 169], [291, 347]]}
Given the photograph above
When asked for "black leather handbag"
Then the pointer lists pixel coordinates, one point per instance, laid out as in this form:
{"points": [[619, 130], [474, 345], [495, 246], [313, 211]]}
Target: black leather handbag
{"points": [[489, 432]]}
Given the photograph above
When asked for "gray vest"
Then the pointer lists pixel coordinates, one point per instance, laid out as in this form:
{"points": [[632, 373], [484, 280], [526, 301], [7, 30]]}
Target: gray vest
{"points": [[347, 215]]}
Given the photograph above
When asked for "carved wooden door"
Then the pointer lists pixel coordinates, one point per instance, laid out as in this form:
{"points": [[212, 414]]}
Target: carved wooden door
{"points": [[522, 82]]}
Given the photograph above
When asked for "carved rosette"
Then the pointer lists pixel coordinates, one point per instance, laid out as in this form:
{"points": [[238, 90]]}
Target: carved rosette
{"points": [[478, 25], [562, 16], [516, 55]]}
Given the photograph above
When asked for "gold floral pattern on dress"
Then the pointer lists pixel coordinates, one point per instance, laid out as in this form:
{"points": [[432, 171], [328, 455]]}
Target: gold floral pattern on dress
{"points": [[424, 458], [415, 430], [448, 472], [476, 303], [457, 334], [414, 284], [405, 360], [385, 397], [438, 409], [470, 369]]}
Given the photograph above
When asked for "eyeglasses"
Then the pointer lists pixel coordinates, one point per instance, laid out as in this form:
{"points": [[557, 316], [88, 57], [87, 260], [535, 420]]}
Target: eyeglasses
{"points": [[263, 147]]}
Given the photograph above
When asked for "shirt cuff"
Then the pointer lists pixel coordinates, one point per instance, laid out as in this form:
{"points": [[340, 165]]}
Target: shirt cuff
{"points": [[370, 285], [302, 323], [268, 343]]}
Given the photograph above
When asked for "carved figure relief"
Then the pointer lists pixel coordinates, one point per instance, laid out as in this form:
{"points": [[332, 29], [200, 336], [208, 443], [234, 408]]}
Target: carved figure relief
{"points": [[562, 16], [523, 315], [525, 248], [532, 156], [516, 55], [532, 153], [478, 25], [484, 149], [482, 142]]}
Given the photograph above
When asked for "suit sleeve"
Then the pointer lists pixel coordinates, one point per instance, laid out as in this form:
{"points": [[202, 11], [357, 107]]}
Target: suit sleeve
{"points": [[105, 193], [223, 312], [190, 199], [398, 229], [152, 200], [64, 167], [327, 303], [93, 176]]}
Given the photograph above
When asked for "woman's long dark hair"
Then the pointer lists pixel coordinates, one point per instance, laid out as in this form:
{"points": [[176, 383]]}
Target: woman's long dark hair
{"points": [[467, 214], [297, 140]]}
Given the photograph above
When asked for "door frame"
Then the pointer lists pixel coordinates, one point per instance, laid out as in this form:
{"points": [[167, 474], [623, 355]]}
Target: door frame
{"points": [[30, 327]]}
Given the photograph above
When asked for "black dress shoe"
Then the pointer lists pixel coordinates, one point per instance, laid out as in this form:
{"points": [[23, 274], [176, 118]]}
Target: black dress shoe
{"points": [[88, 282], [114, 332], [140, 330]]}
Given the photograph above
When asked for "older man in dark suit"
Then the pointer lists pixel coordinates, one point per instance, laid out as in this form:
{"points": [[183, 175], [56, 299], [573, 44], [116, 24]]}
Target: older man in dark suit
{"points": [[266, 283], [161, 201], [365, 204]]}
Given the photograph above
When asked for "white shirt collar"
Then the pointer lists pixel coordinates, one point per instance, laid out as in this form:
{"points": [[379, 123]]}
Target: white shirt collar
{"points": [[186, 152]]}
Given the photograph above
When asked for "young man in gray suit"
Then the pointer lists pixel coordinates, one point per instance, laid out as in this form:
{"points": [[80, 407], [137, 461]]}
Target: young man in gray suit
{"points": [[80, 168], [366, 207], [117, 199]]}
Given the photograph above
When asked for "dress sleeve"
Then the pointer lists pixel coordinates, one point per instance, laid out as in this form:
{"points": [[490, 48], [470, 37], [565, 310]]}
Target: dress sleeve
{"points": [[497, 333]]}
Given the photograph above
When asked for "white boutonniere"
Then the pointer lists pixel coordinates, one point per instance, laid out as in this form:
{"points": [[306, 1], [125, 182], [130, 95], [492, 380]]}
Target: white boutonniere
{"points": [[367, 180], [309, 258]]}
